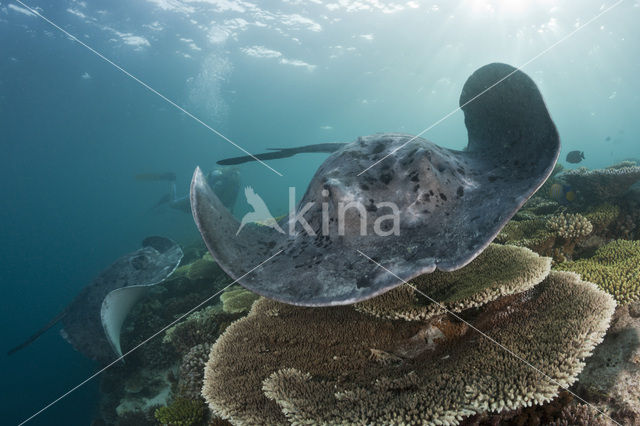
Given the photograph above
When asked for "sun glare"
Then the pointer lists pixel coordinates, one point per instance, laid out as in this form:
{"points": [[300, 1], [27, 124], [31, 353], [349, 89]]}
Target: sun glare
{"points": [[507, 8]]}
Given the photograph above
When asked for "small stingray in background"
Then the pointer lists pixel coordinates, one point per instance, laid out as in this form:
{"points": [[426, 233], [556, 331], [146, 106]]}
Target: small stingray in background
{"points": [[574, 157], [450, 204], [92, 322]]}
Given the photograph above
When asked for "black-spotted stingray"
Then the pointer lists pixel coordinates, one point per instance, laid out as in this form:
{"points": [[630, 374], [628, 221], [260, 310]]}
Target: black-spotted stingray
{"points": [[93, 320], [451, 204]]}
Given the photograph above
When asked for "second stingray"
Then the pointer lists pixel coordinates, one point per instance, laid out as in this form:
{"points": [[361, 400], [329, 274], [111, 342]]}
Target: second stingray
{"points": [[450, 204]]}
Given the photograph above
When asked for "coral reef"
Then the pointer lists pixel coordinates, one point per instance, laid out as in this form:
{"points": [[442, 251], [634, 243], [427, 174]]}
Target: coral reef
{"points": [[182, 412], [236, 300], [498, 271], [192, 371], [570, 226], [266, 368], [602, 184], [200, 327], [602, 216], [614, 267], [611, 377], [561, 411]]}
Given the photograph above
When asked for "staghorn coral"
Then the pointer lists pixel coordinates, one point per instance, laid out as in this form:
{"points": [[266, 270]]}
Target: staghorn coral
{"points": [[570, 226], [201, 327], [554, 326], [498, 271], [192, 371], [182, 412], [531, 233], [580, 415], [236, 300], [614, 268], [602, 216]]}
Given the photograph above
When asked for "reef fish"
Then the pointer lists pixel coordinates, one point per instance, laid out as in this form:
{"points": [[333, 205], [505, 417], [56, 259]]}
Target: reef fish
{"points": [[574, 157], [449, 204], [563, 194], [92, 321]]}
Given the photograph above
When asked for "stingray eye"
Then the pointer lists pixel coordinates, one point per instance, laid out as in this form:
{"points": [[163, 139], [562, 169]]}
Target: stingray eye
{"points": [[139, 262]]}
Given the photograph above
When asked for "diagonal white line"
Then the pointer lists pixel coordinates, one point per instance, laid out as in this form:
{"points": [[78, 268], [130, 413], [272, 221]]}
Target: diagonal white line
{"points": [[140, 344], [494, 84], [491, 339], [145, 85]]}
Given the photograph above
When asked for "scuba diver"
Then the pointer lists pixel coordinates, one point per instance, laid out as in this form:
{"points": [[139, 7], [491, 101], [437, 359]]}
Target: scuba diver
{"points": [[225, 182]]}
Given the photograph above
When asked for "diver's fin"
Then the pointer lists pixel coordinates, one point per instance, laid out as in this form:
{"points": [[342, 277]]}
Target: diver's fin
{"points": [[170, 176], [38, 333], [283, 153]]}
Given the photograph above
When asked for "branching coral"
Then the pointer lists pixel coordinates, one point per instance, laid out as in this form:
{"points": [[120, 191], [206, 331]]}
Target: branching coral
{"points": [[570, 226], [182, 412], [201, 327], [192, 371], [580, 415], [614, 267], [554, 326], [602, 216], [498, 271]]}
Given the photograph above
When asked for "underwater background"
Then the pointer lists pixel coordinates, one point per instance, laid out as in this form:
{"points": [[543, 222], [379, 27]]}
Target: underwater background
{"points": [[75, 131]]}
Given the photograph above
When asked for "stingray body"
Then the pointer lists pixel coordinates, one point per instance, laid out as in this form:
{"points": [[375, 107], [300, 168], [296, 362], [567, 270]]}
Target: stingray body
{"points": [[451, 204], [92, 321]]}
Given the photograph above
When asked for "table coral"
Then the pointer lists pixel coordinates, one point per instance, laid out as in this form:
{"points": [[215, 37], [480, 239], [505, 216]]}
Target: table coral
{"points": [[498, 271], [267, 368]]}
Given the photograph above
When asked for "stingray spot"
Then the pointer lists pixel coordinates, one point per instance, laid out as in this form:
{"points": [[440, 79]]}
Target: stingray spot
{"points": [[492, 178], [415, 178], [461, 171], [364, 186], [363, 282], [460, 192], [444, 197], [378, 148], [139, 262], [441, 169], [386, 178], [415, 188]]}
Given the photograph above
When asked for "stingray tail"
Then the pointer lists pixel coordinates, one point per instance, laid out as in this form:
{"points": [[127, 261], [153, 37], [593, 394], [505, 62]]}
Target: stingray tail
{"points": [[38, 333]]}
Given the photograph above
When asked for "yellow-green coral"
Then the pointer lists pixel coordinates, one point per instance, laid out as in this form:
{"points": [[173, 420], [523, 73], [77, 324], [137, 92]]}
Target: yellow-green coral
{"points": [[203, 268], [182, 412], [236, 300], [614, 267], [498, 271], [602, 216]]}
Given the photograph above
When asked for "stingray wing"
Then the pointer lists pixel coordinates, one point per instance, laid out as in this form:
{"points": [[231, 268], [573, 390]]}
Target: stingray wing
{"points": [[451, 204]]}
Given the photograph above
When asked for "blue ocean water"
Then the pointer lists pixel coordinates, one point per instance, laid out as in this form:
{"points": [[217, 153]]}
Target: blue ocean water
{"points": [[75, 130]]}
